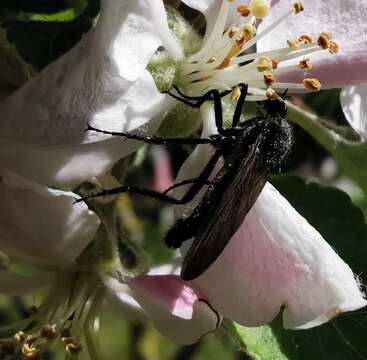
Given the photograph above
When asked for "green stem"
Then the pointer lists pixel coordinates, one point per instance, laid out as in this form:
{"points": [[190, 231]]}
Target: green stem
{"points": [[313, 125]]}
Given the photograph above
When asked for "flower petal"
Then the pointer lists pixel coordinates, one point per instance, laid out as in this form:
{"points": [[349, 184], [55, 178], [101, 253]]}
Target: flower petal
{"points": [[195, 163], [177, 309], [211, 10], [42, 225], [162, 168], [278, 260], [343, 20], [103, 81], [353, 100], [15, 284]]}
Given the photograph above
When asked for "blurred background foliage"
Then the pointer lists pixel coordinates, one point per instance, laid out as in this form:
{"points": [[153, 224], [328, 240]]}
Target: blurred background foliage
{"points": [[34, 33]]}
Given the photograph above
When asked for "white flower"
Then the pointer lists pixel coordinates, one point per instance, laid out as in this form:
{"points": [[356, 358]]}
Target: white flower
{"points": [[103, 80], [46, 229]]}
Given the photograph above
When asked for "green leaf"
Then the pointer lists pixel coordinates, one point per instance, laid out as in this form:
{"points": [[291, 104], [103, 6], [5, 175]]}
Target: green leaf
{"points": [[258, 343], [342, 224], [41, 37]]}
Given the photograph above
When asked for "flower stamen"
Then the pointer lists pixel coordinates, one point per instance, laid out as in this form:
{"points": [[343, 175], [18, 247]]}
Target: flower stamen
{"points": [[312, 84], [70, 308], [226, 61]]}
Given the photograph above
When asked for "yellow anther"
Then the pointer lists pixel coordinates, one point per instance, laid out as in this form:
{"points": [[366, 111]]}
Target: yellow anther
{"points": [[244, 10], [274, 63], [49, 332], [67, 340], [333, 47], [73, 348], [269, 79], [293, 44], [271, 94], [21, 337], [30, 352], [236, 93], [305, 64], [298, 7], [323, 40], [312, 84], [264, 64], [232, 31], [305, 39], [249, 31], [260, 8]]}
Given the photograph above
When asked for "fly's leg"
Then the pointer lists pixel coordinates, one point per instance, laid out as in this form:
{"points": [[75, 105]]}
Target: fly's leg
{"points": [[184, 182], [154, 139], [199, 99], [240, 104], [190, 194]]}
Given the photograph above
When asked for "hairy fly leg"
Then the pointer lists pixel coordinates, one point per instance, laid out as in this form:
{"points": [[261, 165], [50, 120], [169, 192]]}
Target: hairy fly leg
{"points": [[198, 100], [155, 140], [196, 186]]}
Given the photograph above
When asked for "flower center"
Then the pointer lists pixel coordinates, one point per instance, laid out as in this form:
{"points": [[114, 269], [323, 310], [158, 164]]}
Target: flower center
{"points": [[68, 312], [226, 58]]}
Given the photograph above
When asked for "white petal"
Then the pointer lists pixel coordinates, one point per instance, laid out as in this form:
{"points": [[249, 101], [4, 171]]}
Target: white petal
{"points": [[123, 294], [343, 20], [68, 163], [15, 284], [195, 163], [278, 259], [210, 9], [42, 225], [103, 81], [353, 100], [175, 307]]}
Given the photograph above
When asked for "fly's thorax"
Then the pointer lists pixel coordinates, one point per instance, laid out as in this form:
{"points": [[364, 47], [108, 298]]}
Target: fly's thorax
{"points": [[277, 144]]}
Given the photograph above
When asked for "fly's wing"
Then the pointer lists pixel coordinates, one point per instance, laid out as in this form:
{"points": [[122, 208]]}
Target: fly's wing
{"points": [[237, 200]]}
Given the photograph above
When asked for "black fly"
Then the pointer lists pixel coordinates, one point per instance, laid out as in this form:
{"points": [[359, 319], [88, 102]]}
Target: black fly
{"points": [[251, 150]]}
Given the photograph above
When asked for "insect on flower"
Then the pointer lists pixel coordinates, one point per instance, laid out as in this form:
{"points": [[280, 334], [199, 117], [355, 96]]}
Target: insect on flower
{"points": [[252, 150]]}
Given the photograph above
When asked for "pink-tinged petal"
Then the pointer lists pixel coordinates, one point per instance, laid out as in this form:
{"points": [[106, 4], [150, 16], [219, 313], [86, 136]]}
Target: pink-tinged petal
{"points": [[278, 260], [103, 81], [163, 177], [41, 225], [15, 284], [343, 20], [177, 308], [353, 100]]}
